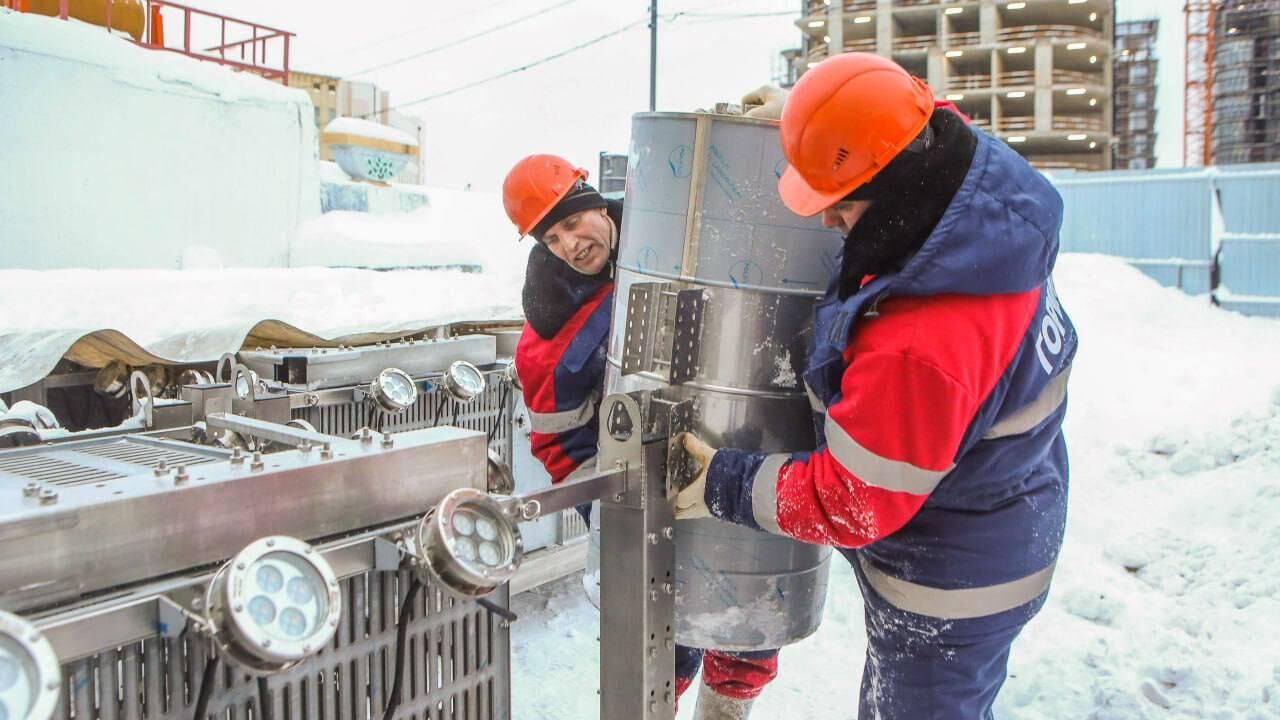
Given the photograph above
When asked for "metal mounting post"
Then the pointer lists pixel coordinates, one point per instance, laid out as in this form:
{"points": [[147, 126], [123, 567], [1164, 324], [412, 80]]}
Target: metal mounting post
{"points": [[637, 597]]}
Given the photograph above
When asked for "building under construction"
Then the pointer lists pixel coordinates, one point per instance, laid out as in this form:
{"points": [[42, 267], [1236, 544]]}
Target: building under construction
{"points": [[1036, 74], [1246, 81], [1134, 74]]}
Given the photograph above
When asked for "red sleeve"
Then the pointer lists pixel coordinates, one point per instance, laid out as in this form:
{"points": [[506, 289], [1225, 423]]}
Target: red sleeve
{"points": [[890, 440], [915, 380]]}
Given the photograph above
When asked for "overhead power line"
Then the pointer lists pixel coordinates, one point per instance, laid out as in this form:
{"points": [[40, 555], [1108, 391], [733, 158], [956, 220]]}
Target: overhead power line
{"points": [[705, 17], [546, 59], [711, 17], [465, 39], [433, 25]]}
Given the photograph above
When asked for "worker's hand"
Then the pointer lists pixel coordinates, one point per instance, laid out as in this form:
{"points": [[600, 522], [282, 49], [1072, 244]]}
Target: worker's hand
{"points": [[764, 102], [691, 502]]}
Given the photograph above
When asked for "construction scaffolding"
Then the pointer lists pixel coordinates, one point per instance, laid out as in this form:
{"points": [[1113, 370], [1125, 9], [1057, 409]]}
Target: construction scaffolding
{"points": [[1197, 107], [1246, 82], [1134, 75]]}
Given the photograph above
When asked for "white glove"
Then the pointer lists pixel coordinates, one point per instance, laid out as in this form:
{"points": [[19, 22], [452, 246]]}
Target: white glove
{"points": [[691, 502], [764, 102]]}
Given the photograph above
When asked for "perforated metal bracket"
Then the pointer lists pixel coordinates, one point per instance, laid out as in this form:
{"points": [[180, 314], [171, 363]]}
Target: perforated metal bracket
{"points": [[637, 346], [663, 330], [686, 336], [681, 467]]}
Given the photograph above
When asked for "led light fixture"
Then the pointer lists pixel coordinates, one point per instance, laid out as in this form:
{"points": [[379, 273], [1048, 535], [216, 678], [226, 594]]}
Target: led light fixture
{"points": [[273, 605], [393, 390], [464, 381], [30, 677], [469, 542]]}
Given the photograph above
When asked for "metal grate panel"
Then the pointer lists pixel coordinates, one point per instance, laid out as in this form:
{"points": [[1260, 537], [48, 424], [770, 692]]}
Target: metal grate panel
{"points": [[457, 668], [572, 526], [489, 413], [144, 455], [54, 471]]}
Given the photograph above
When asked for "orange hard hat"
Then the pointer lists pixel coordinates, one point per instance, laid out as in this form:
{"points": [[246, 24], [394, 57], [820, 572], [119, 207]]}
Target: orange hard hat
{"points": [[846, 118], [534, 186]]}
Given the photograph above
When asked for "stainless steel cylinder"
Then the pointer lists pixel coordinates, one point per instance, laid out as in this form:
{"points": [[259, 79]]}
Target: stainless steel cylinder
{"points": [[715, 288]]}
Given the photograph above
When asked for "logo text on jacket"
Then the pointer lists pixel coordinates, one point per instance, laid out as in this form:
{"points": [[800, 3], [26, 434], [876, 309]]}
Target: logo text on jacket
{"points": [[1053, 329]]}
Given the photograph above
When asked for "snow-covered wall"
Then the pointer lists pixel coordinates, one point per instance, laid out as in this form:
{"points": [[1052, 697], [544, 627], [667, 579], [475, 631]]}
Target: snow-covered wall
{"points": [[115, 156]]}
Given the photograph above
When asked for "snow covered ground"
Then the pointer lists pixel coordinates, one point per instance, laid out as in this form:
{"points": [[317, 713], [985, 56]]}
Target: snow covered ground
{"points": [[1165, 603]]}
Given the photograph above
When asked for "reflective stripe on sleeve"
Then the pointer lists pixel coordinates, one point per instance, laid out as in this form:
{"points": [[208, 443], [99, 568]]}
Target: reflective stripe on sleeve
{"points": [[764, 492], [878, 471], [961, 604], [1034, 412], [563, 421]]}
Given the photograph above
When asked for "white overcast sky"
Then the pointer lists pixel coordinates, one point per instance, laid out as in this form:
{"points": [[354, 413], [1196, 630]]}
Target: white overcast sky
{"points": [[581, 103]]}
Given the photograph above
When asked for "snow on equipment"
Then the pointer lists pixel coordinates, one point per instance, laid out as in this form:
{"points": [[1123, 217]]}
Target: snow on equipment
{"points": [[717, 277], [368, 151]]}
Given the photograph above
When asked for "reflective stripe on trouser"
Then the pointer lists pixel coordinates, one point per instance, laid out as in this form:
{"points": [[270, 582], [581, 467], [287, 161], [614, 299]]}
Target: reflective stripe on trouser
{"points": [[928, 667], [740, 675]]}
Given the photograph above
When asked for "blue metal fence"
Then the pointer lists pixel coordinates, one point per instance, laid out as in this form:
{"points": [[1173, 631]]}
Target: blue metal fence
{"points": [[1204, 230], [1249, 196]]}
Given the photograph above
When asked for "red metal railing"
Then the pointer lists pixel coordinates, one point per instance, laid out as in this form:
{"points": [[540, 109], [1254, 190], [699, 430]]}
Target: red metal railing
{"points": [[243, 45]]}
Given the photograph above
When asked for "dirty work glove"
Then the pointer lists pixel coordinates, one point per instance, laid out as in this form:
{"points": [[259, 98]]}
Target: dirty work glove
{"points": [[691, 502], [764, 102]]}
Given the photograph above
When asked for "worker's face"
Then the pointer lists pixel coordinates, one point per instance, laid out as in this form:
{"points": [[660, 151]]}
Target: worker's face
{"points": [[845, 214], [582, 240]]}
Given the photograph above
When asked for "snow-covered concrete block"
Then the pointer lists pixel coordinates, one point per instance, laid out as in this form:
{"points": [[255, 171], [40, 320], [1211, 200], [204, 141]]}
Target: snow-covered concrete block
{"points": [[118, 156]]}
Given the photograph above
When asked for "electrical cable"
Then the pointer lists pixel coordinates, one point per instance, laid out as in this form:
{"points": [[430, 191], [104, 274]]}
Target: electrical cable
{"points": [[207, 681], [459, 41], [433, 25], [406, 609], [502, 409], [513, 71]]}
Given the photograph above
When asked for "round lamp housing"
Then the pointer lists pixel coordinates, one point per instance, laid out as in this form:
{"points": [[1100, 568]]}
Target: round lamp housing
{"points": [[464, 381], [30, 675], [469, 543], [393, 390], [274, 604]]}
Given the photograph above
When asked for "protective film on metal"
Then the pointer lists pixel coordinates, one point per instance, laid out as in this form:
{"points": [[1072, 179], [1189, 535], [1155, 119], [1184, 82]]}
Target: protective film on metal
{"points": [[737, 273]]}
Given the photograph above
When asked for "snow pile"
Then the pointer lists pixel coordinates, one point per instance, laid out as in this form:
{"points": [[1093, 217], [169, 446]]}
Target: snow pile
{"points": [[456, 229], [402, 240], [1165, 600]]}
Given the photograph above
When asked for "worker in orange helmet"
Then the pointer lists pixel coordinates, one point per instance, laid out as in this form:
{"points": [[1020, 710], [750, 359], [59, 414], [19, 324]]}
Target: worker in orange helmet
{"points": [[560, 362], [938, 373]]}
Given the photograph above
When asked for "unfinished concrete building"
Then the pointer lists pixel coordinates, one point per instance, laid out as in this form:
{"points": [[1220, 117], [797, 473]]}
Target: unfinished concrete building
{"points": [[1134, 75], [1246, 82], [1036, 73]]}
